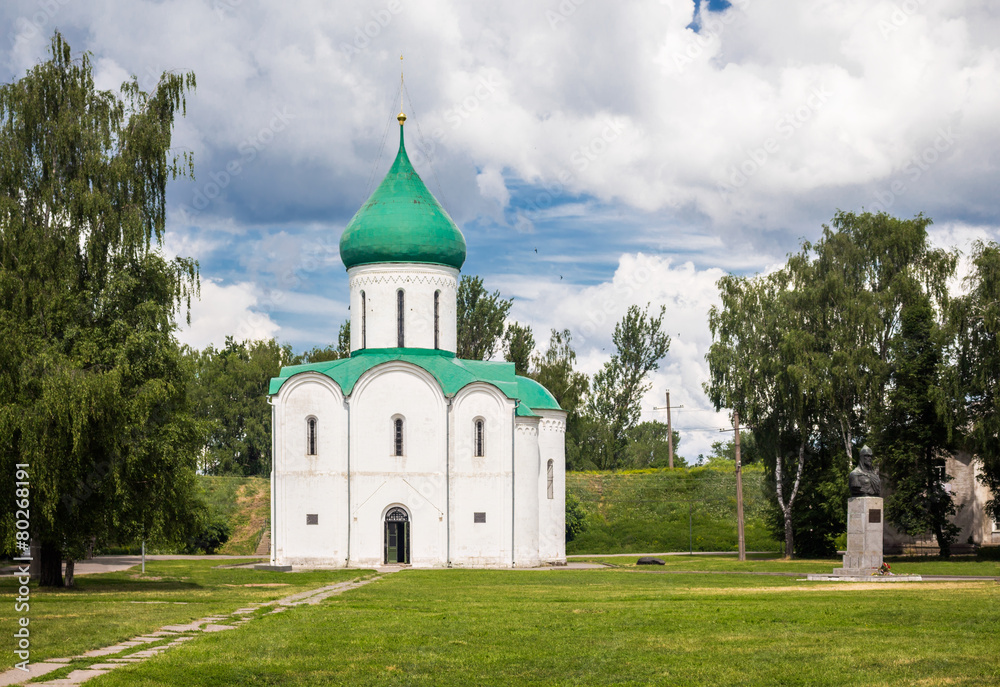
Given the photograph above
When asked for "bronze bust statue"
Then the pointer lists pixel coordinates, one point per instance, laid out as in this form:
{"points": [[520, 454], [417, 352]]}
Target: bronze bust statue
{"points": [[864, 480]]}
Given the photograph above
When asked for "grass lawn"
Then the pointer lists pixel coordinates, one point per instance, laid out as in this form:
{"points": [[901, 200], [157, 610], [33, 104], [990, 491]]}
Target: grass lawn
{"points": [[922, 565], [109, 607], [598, 627]]}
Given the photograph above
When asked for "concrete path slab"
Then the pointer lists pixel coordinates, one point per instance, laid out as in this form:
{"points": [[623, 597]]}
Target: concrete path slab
{"points": [[16, 676], [107, 651], [190, 627], [218, 628]]}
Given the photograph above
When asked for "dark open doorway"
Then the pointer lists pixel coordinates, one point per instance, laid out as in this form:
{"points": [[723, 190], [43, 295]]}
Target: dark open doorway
{"points": [[397, 536]]}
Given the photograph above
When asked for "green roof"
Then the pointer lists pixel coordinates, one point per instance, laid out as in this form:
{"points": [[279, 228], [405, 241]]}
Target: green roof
{"points": [[402, 222], [450, 372]]}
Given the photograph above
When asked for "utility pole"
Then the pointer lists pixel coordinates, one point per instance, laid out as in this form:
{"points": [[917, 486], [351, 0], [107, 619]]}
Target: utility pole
{"points": [[670, 430], [670, 435], [739, 489]]}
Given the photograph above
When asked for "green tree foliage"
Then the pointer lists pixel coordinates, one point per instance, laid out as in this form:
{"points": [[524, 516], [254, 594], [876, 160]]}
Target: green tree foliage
{"points": [[852, 284], [519, 344], [92, 385], [647, 446], [209, 538], [975, 326], [640, 345], [231, 398], [554, 370], [481, 317], [576, 521], [806, 354], [319, 354], [758, 367], [915, 433], [725, 450]]}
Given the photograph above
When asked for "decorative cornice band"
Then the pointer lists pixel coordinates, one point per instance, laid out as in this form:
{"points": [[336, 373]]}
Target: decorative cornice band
{"points": [[370, 279]]}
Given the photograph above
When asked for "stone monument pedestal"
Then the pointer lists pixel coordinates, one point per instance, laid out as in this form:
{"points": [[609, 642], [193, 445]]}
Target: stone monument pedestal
{"points": [[864, 545], [864, 536]]}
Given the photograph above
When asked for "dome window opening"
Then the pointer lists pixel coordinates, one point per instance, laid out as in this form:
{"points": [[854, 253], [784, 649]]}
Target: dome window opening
{"points": [[397, 437], [400, 334], [437, 319]]}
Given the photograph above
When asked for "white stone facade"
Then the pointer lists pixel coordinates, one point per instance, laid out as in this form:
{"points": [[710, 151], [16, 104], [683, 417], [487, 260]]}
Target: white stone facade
{"points": [[375, 293], [354, 478]]}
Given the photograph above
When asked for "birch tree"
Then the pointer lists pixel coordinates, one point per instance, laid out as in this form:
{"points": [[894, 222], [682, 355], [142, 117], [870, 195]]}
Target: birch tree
{"points": [[759, 367]]}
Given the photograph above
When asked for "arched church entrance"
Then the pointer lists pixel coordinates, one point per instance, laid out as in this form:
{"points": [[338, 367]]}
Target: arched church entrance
{"points": [[397, 536]]}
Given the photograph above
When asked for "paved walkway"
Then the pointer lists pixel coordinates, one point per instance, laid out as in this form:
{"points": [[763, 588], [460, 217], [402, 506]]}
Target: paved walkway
{"points": [[146, 646], [104, 564]]}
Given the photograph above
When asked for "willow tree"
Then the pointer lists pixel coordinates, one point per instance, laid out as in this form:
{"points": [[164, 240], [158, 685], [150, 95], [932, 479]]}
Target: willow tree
{"points": [[92, 385]]}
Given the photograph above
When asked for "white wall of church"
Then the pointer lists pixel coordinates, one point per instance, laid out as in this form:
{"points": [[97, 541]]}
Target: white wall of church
{"points": [[481, 484], [552, 511], [306, 484], [415, 480], [354, 478], [526, 492], [374, 325]]}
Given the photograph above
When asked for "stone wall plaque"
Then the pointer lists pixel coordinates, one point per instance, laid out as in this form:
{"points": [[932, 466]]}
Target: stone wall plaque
{"points": [[875, 515]]}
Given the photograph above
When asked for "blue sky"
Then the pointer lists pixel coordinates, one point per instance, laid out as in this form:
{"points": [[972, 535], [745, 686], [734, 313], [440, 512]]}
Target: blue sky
{"points": [[594, 154]]}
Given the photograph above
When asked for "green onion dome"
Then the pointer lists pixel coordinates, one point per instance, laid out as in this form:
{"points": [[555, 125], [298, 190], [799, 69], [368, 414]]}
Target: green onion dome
{"points": [[402, 222]]}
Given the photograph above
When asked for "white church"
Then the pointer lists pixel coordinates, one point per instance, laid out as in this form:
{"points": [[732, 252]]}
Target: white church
{"points": [[404, 454]]}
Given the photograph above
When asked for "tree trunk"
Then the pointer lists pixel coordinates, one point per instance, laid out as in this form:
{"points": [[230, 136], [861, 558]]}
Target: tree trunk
{"points": [[848, 439], [69, 573], [786, 508], [789, 539], [944, 545], [50, 569]]}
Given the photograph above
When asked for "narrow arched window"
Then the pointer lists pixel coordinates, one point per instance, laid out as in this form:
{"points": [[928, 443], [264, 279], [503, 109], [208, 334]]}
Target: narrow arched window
{"points": [[437, 319], [400, 340], [397, 438], [311, 436], [480, 437], [550, 479], [364, 321]]}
